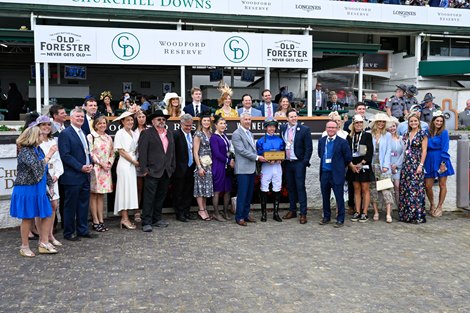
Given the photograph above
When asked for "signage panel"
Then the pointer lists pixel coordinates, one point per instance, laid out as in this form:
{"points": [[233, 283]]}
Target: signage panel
{"points": [[7, 176], [87, 45]]}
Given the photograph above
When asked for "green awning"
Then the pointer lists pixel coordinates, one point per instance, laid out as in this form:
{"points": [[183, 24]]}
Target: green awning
{"points": [[7, 34], [345, 47], [437, 68]]}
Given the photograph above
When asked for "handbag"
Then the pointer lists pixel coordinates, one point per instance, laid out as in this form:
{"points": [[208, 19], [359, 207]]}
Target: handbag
{"points": [[206, 160], [384, 184]]}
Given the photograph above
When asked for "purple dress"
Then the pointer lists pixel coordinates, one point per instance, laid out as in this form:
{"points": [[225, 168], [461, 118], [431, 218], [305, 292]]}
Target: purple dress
{"points": [[220, 146]]}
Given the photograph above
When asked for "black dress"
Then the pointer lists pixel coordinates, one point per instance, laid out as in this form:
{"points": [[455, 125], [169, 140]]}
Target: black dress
{"points": [[364, 175]]}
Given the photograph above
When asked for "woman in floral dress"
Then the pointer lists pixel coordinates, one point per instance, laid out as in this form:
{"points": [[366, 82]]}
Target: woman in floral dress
{"points": [[203, 187], [411, 206], [102, 152]]}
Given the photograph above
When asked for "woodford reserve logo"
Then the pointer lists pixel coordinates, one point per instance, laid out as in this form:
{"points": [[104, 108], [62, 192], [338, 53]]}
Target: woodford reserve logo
{"points": [[64, 44]]}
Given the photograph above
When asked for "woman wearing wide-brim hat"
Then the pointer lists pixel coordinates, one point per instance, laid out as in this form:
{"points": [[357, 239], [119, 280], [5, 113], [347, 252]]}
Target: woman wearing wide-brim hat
{"points": [[173, 104], [360, 173], [381, 140], [125, 142]]}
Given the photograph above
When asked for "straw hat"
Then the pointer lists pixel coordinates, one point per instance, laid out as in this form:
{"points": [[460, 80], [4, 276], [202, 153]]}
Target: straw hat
{"points": [[124, 115], [169, 96], [356, 118], [380, 117], [393, 120]]}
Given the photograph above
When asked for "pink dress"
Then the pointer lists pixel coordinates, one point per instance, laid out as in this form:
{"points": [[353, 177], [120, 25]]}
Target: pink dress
{"points": [[102, 152]]}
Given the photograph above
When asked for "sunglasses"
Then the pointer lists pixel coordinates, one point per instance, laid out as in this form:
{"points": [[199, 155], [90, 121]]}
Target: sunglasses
{"points": [[160, 119]]}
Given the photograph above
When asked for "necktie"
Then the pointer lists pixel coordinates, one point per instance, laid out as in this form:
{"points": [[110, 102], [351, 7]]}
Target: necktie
{"points": [[196, 111], [248, 133], [85, 146], [246, 111], [190, 150], [290, 138], [270, 113]]}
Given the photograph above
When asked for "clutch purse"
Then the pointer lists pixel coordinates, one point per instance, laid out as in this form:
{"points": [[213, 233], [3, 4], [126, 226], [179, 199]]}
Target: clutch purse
{"points": [[362, 150], [206, 160], [384, 184], [274, 155]]}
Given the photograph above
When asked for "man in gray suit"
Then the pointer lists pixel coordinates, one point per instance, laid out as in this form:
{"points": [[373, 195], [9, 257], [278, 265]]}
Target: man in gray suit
{"points": [[157, 162], [245, 168], [247, 103], [319, 98]]}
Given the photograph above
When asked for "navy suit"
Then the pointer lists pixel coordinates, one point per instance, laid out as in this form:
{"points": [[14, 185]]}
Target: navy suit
{"points": [[203, 109], [274, 108], [76, 183], [295, 171], [334, 178]]}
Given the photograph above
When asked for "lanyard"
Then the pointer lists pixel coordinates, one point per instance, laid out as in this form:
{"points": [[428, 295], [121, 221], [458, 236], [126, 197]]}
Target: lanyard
{"points": [[354, 146]]}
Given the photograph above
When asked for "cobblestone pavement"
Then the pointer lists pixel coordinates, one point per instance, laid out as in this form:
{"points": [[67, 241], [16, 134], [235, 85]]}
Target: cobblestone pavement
{"points": [[265, 267]]}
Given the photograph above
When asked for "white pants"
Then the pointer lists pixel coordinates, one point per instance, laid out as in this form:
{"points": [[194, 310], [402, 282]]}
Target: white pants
{"points": [[271, 173]]}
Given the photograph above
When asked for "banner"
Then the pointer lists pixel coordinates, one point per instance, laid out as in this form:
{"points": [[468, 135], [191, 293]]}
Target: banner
{"points": [[93, 45], [303, 9]]}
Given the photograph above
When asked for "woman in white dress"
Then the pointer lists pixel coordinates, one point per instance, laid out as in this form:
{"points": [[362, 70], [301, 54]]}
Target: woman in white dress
{"points": [[55, 168], [125, 142]]}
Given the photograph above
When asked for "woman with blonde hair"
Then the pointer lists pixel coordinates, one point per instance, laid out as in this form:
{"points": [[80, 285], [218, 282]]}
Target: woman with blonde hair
{"points": [[173, 104], [32, 184], [397, 153], [437, 163], [102, 153], [381, 140], [360, 173], [335, 117], [284, 107], [55, 168]]}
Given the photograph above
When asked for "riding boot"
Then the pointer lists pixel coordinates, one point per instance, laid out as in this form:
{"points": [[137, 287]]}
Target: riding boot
{"points": [[277, 197], [262, 198]]}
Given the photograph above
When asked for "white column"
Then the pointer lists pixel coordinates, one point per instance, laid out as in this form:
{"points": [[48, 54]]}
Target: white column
{"points": [[182, 75], [309, 91], [418, 58], [309, 84], [38, 87], [46, 84], [361, 77], [267, 78]]}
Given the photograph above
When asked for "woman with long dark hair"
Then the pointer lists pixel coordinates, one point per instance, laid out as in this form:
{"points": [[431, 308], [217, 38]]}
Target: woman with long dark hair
{"points": [[437, 163]]}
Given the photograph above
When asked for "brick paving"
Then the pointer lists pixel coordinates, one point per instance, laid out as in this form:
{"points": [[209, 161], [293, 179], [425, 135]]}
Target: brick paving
{"points": [[265, 267]]}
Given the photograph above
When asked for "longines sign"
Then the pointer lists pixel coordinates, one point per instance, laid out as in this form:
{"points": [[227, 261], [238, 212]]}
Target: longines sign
{"points": [[93, 45], [308, 9]]}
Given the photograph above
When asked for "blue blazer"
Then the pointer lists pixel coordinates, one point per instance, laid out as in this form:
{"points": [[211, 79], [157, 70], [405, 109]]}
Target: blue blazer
{"points": [[254, 112], [274, 106], [341, 158], [85, 127], [302, 142], [190, 109], [73, 157]]}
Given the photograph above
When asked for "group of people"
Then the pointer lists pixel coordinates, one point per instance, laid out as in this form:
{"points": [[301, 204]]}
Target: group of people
{"points": [[73, 164], [385, 167]]}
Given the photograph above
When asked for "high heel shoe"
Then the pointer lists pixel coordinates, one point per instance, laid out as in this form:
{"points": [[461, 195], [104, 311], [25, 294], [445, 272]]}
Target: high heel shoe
{"points": [[47, 248], [127, 224], [204, 215], [55, 242], [103, 227], [437, 212], [98, 227]]}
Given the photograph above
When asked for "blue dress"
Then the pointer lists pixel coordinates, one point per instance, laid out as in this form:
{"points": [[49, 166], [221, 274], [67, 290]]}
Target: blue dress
{"points": [[30, 201], [438, 147]]}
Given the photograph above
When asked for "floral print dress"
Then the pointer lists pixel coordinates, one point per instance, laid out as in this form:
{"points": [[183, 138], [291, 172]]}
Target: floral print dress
{"points": [[412, 191], [102, 152]]}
